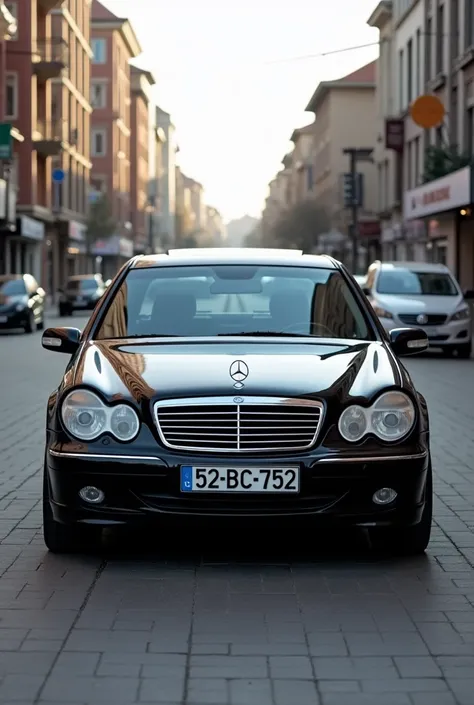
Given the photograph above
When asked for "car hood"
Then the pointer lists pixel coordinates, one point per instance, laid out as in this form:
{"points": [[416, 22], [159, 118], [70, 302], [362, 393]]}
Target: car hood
{"points": [[164, 370], [418, 304]]}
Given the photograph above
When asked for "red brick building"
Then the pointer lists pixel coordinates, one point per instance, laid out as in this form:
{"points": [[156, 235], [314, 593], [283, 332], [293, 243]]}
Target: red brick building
{"points": [[143, 206]]}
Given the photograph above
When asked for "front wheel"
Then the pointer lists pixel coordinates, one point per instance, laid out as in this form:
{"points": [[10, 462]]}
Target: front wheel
{"points": [[30, 323], [410, 540], [63, 538]]}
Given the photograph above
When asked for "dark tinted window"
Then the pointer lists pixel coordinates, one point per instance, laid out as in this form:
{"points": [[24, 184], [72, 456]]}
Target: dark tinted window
{"points": [[405, 281], [232, 300], [12, 287]]}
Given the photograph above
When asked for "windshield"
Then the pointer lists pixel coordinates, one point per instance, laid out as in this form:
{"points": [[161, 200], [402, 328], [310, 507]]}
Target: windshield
{"points": [[405, 281], [12, 287], [234, 300], [82, 285]]}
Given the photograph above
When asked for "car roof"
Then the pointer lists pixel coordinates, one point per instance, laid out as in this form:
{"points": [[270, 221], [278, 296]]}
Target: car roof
{"points": [[234, 255], [415, 266]]}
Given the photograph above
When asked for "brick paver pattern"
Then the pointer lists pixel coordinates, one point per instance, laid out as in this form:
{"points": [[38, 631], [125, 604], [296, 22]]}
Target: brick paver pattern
{"points": [[240, 619]]}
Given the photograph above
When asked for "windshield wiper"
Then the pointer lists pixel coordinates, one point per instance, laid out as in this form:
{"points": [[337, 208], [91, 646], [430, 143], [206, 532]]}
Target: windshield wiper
{"points": [[267, 334]]}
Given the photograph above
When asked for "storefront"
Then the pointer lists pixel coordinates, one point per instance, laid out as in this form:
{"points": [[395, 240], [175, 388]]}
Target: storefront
{"points": [[443, 207], [76, 256], [24, 248], [112, 253]]}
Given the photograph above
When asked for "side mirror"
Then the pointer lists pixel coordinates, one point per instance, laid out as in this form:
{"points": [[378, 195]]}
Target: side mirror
{"points": [[367, 291], [63, 340], [469, 294], [408, 341]]}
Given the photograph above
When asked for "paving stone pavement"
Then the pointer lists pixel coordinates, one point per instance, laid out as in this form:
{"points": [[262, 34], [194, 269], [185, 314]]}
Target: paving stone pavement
{"points": [[238, 619]]}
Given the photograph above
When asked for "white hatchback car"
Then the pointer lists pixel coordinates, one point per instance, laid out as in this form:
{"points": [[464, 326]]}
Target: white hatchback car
{"points": [[424, 296]]}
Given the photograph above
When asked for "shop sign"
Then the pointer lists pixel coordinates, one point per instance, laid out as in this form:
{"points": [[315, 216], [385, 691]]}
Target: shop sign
{"points": [[369, 229], [394, 135], [115, 245], [31, 228], [445, 194], [77, 231]]}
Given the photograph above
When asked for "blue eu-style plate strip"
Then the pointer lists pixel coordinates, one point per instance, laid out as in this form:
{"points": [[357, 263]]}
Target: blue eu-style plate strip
{"points": [[186, 478]]}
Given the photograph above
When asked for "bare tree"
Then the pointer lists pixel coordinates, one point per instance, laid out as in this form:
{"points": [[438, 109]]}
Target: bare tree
{"points": [[300, 226]]}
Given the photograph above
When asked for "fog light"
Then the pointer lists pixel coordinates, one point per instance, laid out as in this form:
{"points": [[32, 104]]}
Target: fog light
{"points": [[92, 495], [384, 496]]}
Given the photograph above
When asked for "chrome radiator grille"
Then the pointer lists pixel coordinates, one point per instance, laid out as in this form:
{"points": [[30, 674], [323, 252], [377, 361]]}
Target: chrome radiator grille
{"points": [[222, 425]]}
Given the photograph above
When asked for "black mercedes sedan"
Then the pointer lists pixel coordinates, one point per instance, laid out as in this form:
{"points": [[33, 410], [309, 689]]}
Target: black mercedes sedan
{"points": [[236, 383]]}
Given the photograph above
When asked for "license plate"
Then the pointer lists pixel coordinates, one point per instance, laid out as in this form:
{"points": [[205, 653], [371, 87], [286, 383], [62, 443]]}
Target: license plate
{"points": [[244, 479], [3, 319], [431, 332]]}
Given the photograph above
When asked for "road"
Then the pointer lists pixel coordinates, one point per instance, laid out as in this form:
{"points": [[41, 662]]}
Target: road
{"points": [[211, 619]]}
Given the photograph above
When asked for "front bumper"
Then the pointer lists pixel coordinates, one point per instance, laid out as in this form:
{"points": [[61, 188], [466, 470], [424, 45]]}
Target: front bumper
{"points": [[454, 333], [143, 488], [14, 319]]}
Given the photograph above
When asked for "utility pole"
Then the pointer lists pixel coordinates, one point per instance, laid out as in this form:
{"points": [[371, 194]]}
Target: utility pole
{"points": [[353, 194]]}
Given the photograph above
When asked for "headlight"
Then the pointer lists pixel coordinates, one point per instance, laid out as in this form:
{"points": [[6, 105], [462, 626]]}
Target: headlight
{"points": [[390, 418], [381, 312], [462, 314], [86, 417]]}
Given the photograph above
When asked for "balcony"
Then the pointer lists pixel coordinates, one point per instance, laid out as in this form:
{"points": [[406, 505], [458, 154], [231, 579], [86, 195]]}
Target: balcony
{"points": [[48, 5], [50, 58], [48, 138]]}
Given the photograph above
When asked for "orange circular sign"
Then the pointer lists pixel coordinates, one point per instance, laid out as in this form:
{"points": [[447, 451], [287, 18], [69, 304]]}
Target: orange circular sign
{"points": [[427, 111]]}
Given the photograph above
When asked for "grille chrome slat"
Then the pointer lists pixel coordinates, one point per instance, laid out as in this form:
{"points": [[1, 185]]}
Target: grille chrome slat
{"points": [[219, 424]]}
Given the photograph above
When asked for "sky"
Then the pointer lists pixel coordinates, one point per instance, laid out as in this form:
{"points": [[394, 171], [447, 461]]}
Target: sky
{"points": [[231, 77]]}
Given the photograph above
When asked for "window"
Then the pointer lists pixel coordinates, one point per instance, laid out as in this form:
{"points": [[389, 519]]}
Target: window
{"points": [[470, 131], [428, 48], [11, 96], [469, 23], [12, 8], [401, 94], [410, 71], [99, 142], [454, 29], [439, 137], [440, 32], [401, 281], [10, 286], [98, 94], [417, 170], [453, 118], [99, 49], [418, 63], [198, 300]]}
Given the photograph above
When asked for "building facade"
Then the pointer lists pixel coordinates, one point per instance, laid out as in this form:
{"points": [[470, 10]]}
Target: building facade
{"points": [[114, 45], [142, 204], [167, 182], [332, 103], [66, 136], [30, 67]]}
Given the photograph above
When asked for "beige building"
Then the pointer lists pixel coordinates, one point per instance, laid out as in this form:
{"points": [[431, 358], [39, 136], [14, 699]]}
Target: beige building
{"points": [[301, 167], [346, 117]]}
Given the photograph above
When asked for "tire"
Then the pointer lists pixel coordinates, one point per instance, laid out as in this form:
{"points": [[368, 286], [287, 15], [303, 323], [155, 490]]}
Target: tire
{"points": [[62, 538], [30, 324], [410, 540], [464, 351], [61, 310], [40, 325]]}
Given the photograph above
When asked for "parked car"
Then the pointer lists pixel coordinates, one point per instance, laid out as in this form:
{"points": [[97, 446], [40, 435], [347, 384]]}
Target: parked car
{"points": [[426, 296], [290, 405], [82, 293], [360, 279], [22, 302]]}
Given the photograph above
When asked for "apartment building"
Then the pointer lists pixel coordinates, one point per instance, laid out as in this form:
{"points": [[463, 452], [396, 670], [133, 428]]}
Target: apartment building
{"points": [[8, 31], [353, 95], [184, 216], [167, 183], [142, 202], [301, 171], [400, 147], [157, 139], [33, 59], [66, 135], [214, 227], [114, 45]]}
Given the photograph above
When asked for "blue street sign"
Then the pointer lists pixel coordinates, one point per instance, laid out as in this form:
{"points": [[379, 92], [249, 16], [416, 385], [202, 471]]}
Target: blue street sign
{"points": [[58, 176]]}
